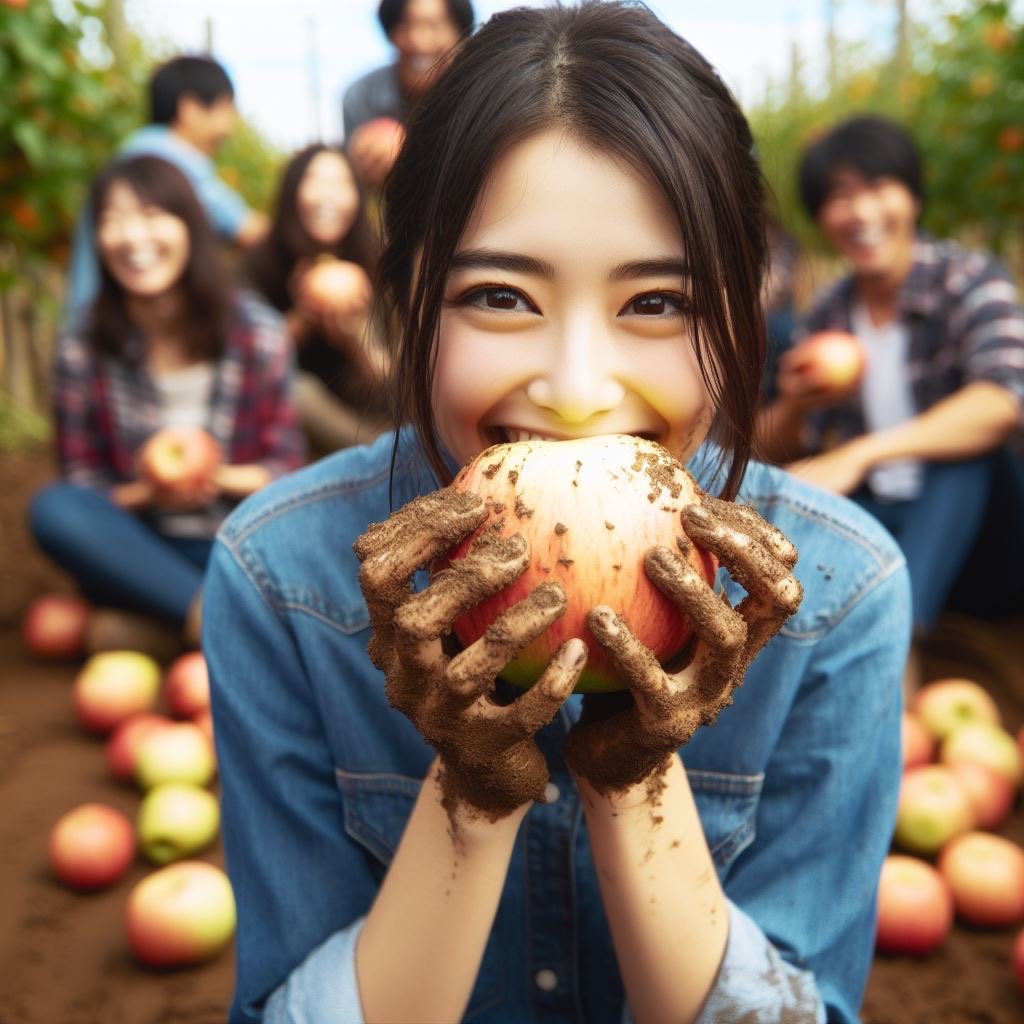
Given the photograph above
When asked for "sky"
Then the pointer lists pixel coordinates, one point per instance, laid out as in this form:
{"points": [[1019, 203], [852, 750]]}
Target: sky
{"points": [[291, 59]]}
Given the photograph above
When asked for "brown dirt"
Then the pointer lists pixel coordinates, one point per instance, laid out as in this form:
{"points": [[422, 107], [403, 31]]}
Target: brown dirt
{"points": [[64, 956]]}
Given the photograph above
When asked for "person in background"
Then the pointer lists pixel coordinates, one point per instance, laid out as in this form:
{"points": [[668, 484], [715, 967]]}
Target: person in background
{"points": [[192, 114], [919, 440], [167, 342], [318, 219], [423, 33]]}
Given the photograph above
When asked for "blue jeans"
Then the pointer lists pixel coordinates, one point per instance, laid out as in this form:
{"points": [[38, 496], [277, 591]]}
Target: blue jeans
{"points": [[936, 530], [117, 559]]}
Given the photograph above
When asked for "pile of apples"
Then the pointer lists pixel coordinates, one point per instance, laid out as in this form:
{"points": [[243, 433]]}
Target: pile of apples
{"points": [[184, 912], [961, 773]]}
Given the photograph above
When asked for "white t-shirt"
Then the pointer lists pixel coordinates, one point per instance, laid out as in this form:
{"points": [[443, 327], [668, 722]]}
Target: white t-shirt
{"points": [[887, 400]]}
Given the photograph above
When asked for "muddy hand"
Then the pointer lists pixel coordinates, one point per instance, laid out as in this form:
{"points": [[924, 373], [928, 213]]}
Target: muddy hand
{"points": [[620, 749], [489, 759]]}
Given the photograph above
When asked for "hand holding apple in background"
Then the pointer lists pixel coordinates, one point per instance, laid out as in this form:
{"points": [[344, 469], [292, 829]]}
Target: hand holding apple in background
{"points": [[822, 369], [374, 148], [180, 465]]}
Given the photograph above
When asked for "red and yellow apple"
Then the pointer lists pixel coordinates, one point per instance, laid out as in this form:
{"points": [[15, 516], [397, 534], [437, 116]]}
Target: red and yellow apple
{"points": [[205, 722], [187, 685], [989, 792], [834, 359], [179, 752], [123, 745], [590, 510], [54, 626], [180, 458], [933, 807], [175, 821], [113, 686], [91, 846], [984, 744], [915, 907], [986, 875], [180, 915], [949, 703], [918, 744]]}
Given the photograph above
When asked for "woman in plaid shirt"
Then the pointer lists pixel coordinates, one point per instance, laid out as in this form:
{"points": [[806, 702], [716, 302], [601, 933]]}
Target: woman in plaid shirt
{"points": [[168, 342]]}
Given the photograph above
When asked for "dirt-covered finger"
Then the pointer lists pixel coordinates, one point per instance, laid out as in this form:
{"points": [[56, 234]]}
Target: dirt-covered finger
{"points": [[748, 518]]}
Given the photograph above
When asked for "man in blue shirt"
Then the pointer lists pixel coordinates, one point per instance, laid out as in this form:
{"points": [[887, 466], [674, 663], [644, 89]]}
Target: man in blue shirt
{"points": [[193, 114]]}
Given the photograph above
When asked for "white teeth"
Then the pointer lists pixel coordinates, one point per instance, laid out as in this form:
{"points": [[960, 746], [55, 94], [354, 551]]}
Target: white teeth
{"points": [[869, 236], [141, 259], [526, 435]]}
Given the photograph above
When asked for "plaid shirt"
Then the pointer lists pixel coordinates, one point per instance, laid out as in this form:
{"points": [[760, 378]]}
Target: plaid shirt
{"points": [[106, 408], [965, 325]]}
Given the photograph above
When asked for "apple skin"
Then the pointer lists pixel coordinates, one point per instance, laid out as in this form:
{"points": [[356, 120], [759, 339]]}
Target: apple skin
{"points": [[176, 821], [113, 686], [123, 745], [917, 742], [91, 846], [984, 744], [180, 458], [1017, 961], [331, 283], [989, 792], [947, 704], [590, 510], [180, 915], [933, 807], [835, 358], [54, 626], [377, 137], [187, 685], [205, 722], [915, 907], [986, 875], [180, 752]]}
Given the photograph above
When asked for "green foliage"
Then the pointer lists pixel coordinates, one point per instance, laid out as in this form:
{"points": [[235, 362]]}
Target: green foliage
{"points": [[250, 165]]}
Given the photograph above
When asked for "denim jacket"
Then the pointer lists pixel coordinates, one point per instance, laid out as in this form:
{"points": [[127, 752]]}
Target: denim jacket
{"points": [[796, 783]]}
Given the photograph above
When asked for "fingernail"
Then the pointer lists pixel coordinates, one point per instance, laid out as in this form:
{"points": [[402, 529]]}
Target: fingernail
{"points": [[578, 653], [697, 513]]}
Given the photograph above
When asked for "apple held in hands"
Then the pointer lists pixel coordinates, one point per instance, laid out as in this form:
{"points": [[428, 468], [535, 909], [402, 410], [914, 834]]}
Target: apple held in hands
{"points": [[984, 744], [187, 685], [947, 704], [180, 458], [123, 745], [933, 807], [175, 821], [180, 752], [54, 626], [835, 360], [915, 907], [590, 510], [180, 915], [91, 846], [113, 686], [986, 875]]}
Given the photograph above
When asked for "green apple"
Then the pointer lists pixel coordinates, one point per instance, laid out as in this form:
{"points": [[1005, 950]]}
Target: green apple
{"points": [[176, 820], [180, 752], [985, 744], [933, 807], [947, 704]]}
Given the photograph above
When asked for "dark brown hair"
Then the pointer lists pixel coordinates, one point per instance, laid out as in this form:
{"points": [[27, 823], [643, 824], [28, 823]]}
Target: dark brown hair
{"points": [[207, 286], [269, 265], [615, 77]]}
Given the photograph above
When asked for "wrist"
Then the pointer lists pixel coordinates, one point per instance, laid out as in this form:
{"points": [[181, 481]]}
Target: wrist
{"points": [[637, 797]]}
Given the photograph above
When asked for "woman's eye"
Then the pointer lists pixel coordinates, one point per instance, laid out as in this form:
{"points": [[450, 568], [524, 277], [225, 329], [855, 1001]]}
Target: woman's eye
{"points": [[498, 298], [655, 304]]}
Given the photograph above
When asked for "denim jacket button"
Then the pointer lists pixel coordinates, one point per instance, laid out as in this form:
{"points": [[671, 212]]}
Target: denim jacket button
{"points": [[551, 793], [546, 980]]}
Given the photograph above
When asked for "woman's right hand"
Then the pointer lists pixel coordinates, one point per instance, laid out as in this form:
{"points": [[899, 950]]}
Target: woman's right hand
{"points": [[489, 759]]}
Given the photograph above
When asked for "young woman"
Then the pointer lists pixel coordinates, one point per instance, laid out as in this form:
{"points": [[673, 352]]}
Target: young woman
{"points": [[575, 246], [319, 218], [167, 343]]}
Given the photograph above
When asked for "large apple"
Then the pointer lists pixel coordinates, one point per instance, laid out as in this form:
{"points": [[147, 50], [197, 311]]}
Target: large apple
{"points": [[933, 807], [91, 846], [835, 359], [986, 875], [989, 792], [332, 284], [123, 745], [180, 915], [590, 510], [917, 741], [113, 686], [984, 744], [187, 685], [54, 626], [180, 458], [948, 703], [180, 752], [915, 907], [175, 821]]}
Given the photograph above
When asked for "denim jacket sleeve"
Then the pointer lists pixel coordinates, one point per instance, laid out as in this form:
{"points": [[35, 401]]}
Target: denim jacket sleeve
{"points": [[298, 881]]}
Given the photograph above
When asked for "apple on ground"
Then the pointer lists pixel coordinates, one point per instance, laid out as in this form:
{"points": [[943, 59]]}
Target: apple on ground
{"points": [[113, 686], [180, 915], [1017, 960], [180, 458], [918, 744], [187, 685], [986, 875], [175, 821], [590, 510], [205, 722], [915, 907], [946, 704], [989, 792], [180, 752], [984, 744], [123, 745], [91, 846], [933, 808], [54, 626], [834, 359]]}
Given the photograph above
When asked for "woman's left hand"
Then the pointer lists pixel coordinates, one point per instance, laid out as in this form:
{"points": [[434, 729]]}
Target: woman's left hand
{"points": [[621, 740]]}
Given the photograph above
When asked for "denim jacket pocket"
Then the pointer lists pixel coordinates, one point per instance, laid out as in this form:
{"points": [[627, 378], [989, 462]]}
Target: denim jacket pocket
{"points": [[376, 807], [727, 805]]}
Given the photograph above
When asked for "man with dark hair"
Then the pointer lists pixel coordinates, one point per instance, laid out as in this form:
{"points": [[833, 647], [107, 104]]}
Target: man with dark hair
{"points": [[918, 440], [192, 114], [423, 33]]}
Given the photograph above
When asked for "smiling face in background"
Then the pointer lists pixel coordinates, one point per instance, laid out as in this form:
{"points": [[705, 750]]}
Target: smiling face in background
{"points": [[145, 248], [327, 200], [566, 309], [424, 35]]}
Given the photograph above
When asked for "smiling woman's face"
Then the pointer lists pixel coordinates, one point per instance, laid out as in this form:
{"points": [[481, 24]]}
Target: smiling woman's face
{"points": [[327, 199], [566, 309]]}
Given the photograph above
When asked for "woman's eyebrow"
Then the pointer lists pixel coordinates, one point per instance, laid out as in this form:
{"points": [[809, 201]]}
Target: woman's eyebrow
{"points": [[490, 259], [662, 266]]}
